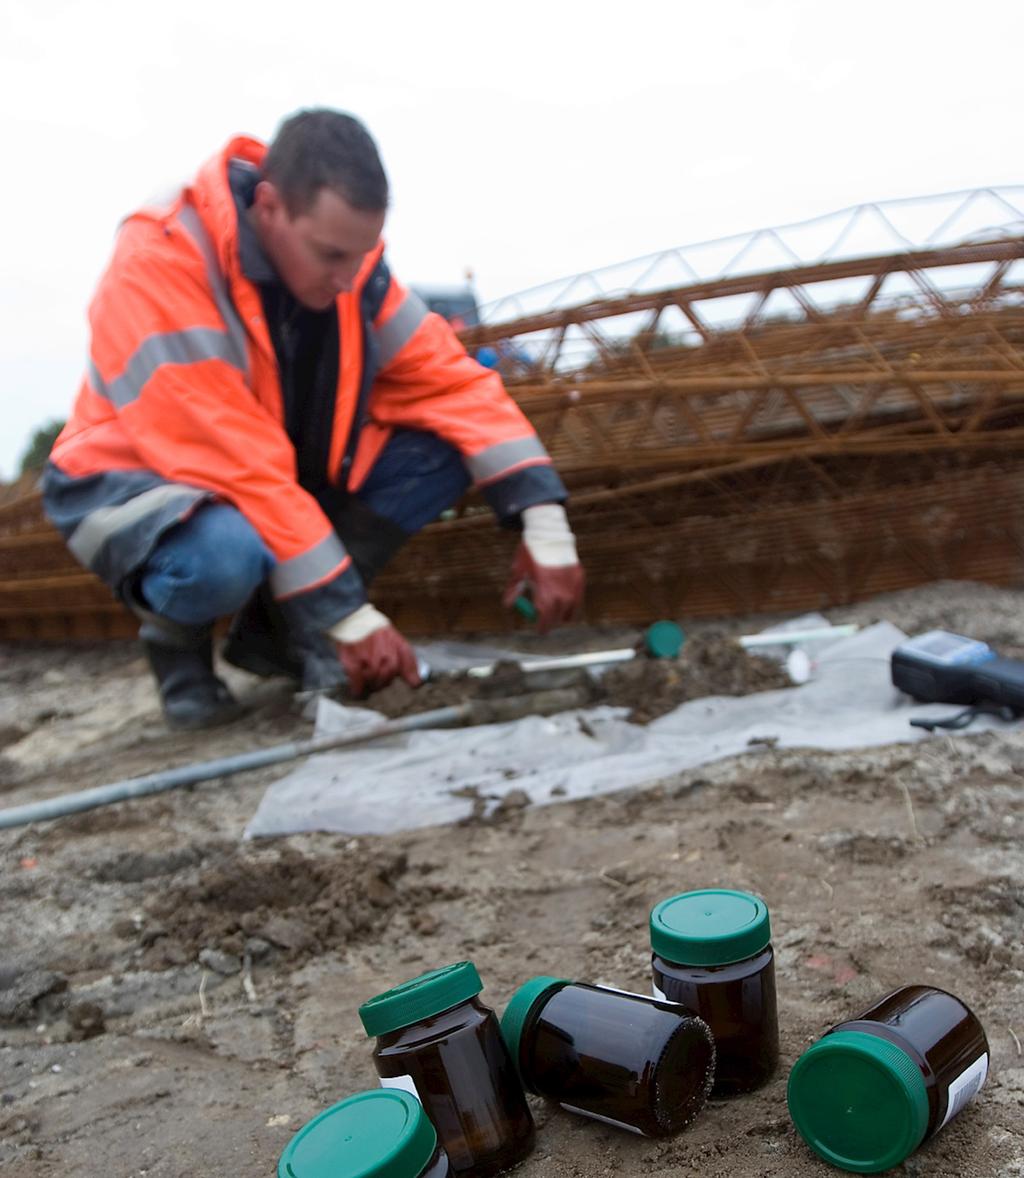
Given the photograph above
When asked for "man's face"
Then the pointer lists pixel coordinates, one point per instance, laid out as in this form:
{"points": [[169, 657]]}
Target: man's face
{"points": [[316, 253]]}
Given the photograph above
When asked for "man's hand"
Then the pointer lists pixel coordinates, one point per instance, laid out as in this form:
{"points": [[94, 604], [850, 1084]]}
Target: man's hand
{"points": [[372, 651], [547, 566]]}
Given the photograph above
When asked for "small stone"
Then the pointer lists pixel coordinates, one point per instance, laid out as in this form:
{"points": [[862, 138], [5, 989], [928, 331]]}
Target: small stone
{"points": [[256, 948], [288, 932], [151, 934], [425, 923], [56, 1068], [377, 889], [222, 963], [515, 799]]}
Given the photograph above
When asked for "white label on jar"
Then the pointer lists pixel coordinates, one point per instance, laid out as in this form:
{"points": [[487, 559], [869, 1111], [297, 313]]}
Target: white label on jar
{"points": [[571, 1108], [657, 997], [660, 994], [965, 1087], [406, 1083]]}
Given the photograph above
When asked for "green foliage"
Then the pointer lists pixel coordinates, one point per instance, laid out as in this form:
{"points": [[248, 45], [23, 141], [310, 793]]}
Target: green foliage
{"points": [[40, 444]]}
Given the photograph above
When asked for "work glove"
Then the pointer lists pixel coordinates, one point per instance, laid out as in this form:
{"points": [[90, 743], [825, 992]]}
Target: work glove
{"points": [[547, 568], [372, 652]]}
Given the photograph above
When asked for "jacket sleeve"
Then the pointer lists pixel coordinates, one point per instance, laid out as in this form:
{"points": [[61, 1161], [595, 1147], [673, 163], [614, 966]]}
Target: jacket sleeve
{"points": [[165, 359], [427, 381]]}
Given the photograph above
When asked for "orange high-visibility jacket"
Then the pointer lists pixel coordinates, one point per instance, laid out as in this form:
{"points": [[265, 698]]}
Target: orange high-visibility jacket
{"points": [[181, 403]]}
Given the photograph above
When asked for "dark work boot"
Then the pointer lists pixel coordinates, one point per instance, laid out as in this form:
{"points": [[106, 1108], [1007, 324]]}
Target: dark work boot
{"points": [[258, 641], [181, 658], [191, 694], [261, 642]]}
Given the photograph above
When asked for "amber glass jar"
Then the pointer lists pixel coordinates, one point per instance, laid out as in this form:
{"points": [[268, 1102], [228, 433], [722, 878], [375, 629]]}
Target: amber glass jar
{"points": [[436, 1040], [874, 1088], [713, 953], [634, 1062], [381, 1134]]}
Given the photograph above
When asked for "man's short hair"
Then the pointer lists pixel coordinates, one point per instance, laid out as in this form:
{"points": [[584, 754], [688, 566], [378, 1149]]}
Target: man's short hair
{"points": [[322, 148]]}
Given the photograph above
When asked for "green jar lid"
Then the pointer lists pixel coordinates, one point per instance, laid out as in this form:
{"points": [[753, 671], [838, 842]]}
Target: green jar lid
{"points": [[379, 1134], [858, 1101], [664, 640], [519, 1008], [711, 927], [423, 997]]}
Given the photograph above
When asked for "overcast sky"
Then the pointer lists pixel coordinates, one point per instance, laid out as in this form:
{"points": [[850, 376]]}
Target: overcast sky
{"points": [[525, 141]]}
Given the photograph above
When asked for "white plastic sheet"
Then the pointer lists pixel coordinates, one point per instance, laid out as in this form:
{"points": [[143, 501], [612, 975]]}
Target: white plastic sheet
{"points": [[421, 779]]}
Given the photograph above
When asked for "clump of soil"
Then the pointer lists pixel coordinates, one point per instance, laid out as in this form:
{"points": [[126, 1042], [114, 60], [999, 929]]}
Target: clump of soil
{"points": [[648, 687], [301, 904], [445, 690], [710, 666], [85, 1020], [22, 989]]}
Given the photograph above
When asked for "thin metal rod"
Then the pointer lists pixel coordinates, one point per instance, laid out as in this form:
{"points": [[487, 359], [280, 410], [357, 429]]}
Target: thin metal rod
{"points": [[137, 787]]}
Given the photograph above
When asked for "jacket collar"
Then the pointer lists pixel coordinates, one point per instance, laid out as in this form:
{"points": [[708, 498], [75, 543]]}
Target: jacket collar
{"points": [[215, 202], [256, 266]]}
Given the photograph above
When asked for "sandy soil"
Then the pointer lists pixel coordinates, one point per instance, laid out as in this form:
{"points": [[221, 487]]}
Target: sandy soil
{"points": [[174, 1002]]}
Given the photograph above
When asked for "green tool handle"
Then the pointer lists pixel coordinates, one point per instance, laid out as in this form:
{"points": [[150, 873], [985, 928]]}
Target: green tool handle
{"points": [[525, 608]]}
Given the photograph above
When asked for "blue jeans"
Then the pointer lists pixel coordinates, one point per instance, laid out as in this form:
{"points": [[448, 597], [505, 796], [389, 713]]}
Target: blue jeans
{"points": [[416, 477], [209, 565]]}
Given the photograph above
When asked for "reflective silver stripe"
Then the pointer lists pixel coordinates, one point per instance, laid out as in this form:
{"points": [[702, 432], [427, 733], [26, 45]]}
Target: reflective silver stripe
{"points": [[190, 346], [96, 380], [236, 329], [99, 525], [308, 569], [496, 460], [393, 335]]}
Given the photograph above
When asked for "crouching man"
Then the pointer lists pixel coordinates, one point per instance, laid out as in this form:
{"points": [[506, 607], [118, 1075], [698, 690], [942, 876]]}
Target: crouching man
{"points": [[266, 417]]}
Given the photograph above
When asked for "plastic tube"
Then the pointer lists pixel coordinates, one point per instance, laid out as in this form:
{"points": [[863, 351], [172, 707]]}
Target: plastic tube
{"points": [[593, 658], [137, 787], [791, 637]]}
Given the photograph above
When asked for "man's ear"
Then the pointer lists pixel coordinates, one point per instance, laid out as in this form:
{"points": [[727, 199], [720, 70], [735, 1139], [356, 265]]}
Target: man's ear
{"points": [[267, 201]]}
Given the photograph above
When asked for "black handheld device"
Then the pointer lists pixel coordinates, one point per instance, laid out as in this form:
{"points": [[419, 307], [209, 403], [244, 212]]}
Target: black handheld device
{"points": [[939, 667]]}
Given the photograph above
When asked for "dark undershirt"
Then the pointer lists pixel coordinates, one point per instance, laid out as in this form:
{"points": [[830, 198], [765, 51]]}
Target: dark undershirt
{"points": [[305, 344]]}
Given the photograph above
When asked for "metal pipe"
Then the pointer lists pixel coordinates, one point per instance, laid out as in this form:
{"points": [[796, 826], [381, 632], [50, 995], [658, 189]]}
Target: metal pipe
{"points": [[137, 787]]}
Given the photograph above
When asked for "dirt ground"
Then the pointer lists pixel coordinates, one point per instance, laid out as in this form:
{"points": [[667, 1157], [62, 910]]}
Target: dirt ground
{"points": [[175, 1002]]}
